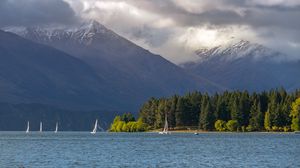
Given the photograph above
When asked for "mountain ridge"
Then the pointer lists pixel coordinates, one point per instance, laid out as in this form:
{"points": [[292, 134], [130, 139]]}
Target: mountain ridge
{"points": [[134, 73], [246, 66]]}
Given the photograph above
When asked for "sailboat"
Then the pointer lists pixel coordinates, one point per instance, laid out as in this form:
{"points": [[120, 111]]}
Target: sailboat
{"points": [[56, 128], [27, 129], [95, 127], [197, 133], [41, 127], [166, 127]]}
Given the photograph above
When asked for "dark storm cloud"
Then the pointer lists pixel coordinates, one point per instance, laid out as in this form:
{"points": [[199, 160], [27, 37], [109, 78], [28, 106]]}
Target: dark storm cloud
{"points": [[169, 26], [152, 36], [35, 12], [227, 12]]}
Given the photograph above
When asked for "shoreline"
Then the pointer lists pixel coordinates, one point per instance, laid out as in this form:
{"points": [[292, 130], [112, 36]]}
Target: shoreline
{"points": [[205, 132]]}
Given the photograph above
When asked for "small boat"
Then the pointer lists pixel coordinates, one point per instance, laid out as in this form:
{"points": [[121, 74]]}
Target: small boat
{"points": [[56, 128], [41, 127], [95, 127], [297, 132], [197, 133], [166, 127], [27, 129]]}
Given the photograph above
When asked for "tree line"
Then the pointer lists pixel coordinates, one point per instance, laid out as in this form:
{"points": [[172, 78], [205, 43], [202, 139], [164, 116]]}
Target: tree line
{"points": [[127, 123], [274, 110]]}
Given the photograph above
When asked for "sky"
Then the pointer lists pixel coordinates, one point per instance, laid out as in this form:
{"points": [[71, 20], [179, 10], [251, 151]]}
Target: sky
{"points": [[172, 28]]}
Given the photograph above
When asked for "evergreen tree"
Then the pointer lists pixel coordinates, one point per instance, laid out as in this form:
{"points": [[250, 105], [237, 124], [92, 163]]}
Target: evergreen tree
{"points": [[236, 113], [206, 115], [127, 117], [295, 114], [172, 118], [267, 121], [269, 109], [179, 112], [256, 117]]}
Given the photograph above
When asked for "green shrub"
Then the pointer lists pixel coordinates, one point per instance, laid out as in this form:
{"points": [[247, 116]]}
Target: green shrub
{"points": [[220, 125], [232, 125]]}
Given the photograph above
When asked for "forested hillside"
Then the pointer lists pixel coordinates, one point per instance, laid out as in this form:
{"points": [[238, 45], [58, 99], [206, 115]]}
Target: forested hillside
{"points": [[238, 110]]}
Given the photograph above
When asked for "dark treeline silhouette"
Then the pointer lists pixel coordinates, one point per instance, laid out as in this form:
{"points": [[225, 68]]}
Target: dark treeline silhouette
{"points": [[236, 110]]}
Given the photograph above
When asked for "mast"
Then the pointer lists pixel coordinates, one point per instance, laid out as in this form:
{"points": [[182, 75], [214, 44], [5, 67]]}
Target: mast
{"points": [[166, 124]]}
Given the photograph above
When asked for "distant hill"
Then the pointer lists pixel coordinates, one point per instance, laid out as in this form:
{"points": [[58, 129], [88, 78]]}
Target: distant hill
{"points": [[14, 117], [246, 66], [36, 73]]}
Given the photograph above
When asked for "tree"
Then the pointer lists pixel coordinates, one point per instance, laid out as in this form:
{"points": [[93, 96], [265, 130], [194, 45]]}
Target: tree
{"points": [[268, 110], [206, 115], [295, 114], [267, 121], [159, 114], [232, 125], [127, 117], [141, 126], [172, 117], [147, 112], [256, 117], [235, 109], [115, 123], [132, 126], [220, 125], [179, 112]]}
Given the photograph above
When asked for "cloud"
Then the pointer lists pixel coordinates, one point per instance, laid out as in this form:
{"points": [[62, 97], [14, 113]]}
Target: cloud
{"points": [[172, 28], [35, 12], [175, 28]]}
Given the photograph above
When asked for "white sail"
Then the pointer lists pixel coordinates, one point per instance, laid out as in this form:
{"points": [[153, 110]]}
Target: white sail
{"points": [[27, 129], [56, 128], [41, 126], [95, 127], [166, 127]]}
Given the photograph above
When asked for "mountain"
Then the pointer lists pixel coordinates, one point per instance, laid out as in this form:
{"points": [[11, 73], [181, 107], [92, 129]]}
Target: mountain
{"points": [[244, 65], [14, 117], [36, 73], [133, 72]]}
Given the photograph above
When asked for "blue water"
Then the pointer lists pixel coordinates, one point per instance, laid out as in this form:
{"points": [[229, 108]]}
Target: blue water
{"points": [[79, 149]]}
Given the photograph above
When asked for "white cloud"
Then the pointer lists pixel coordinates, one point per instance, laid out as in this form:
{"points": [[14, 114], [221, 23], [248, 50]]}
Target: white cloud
{"points": [[175, 28]]}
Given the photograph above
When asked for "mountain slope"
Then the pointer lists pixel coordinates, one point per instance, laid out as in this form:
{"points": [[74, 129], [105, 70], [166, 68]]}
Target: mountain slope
{"points": [[14, 117], [31, 72], [244, 65], [132, 71]]}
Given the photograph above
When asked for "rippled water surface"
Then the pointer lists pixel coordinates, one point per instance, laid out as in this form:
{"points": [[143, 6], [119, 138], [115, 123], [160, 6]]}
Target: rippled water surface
{"points": [[79, 149]]}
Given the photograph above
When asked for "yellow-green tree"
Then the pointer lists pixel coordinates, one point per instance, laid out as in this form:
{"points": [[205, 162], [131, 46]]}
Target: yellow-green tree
{"points": [[295, 114], [232, 125], [119, 125], [220, 125]]}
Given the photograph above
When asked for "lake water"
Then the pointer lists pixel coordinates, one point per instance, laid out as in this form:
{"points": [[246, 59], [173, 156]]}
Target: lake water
{"points": [[79, 149]]}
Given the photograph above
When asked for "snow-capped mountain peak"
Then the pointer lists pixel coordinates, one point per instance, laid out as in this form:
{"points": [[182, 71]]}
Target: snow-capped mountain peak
{"points": [[239, 50], [83, 33]]}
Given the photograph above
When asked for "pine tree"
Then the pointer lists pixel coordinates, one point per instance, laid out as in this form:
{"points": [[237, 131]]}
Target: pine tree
{"points": [[206, 115], [295, 114], [179, 112], [267, 121], [172, 117], [256, 117], [236, 113]]}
